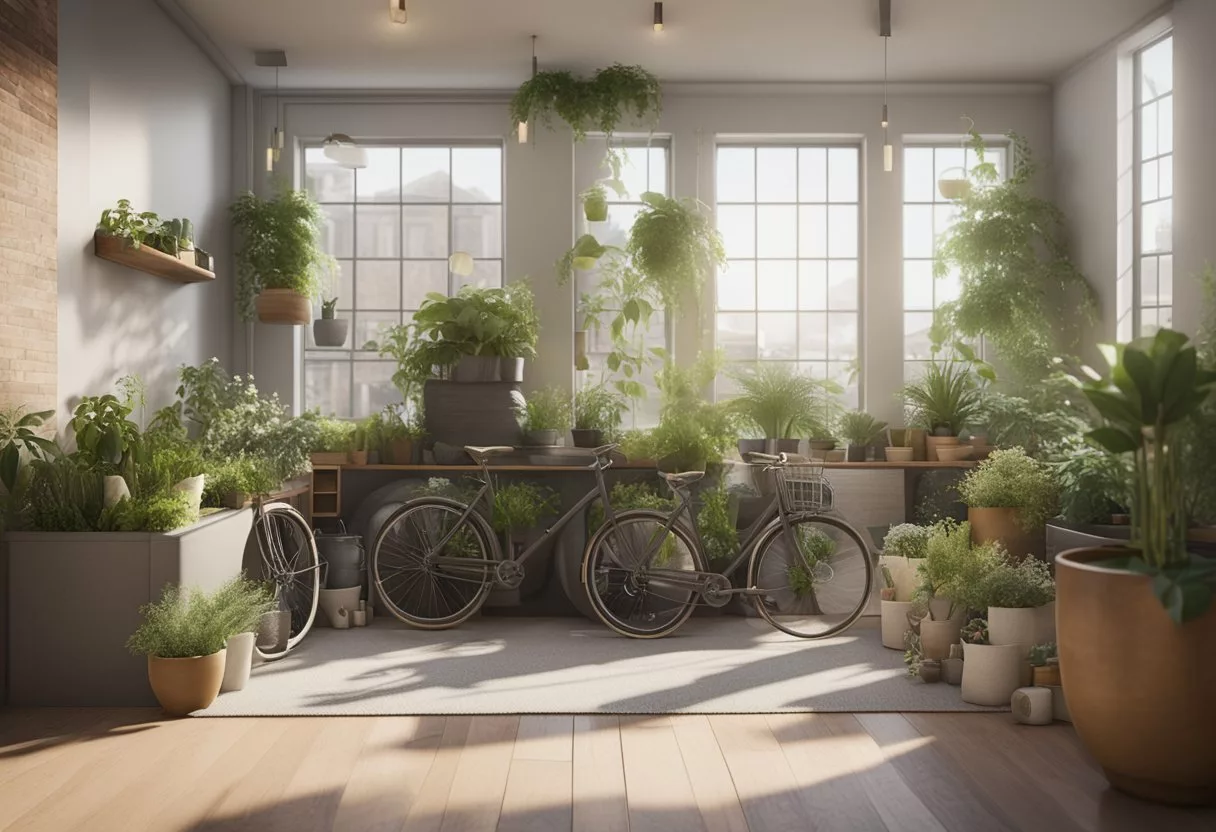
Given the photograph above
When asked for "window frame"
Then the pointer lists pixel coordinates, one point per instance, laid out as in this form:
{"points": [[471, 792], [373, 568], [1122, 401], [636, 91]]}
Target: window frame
{"points": [[454, 282], [1138, 105], [796, 143]]}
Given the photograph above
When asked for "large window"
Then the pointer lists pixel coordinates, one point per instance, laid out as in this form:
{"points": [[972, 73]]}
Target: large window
{"points": [[790, 291], [643, 167], [1153, 284], [390, 228], [927, 214]]}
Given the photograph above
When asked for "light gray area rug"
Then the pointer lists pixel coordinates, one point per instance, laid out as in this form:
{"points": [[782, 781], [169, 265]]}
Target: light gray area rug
{"points": [[572, 666]]}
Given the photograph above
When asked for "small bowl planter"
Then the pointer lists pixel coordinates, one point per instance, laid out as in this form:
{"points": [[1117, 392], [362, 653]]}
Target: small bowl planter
{"points": [[402, 451], [898, 454], [932, 443], [991, 673], [358, 458], [283, 306], [183, 686], [956, 453], [541, 438]]}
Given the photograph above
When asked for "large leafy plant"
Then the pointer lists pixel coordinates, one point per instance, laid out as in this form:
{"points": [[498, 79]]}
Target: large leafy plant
{"points": [[945, 398], [778, 402], [1017, 285], [104, 434], [1009, 478], [599, 103], [17, 434], [674, 243], [1155, 385], [280, 245]]}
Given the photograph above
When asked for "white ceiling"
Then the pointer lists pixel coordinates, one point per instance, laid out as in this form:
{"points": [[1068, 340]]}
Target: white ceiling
{"points": [[484, 44]]}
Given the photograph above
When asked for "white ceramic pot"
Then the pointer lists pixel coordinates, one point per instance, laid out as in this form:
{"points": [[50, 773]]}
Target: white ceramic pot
{"points": [[1045, 623], [991, 673], [238, 662], [192, 487], [333, 600], [895, 623], [903, 572], [1018, 626], [937, 636], [1031, 706]]}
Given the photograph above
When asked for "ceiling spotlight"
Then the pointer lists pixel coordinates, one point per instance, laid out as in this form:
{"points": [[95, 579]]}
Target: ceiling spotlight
{"points": [[658, 17], [397, 12], [342, 149]]}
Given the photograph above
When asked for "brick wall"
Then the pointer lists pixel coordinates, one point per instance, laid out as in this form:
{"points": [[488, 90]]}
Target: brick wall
{"points": [[28, 197]]}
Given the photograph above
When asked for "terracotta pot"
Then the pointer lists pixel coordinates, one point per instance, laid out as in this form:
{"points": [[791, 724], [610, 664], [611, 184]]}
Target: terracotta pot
{"points": [[329, 458], [1001, 525], [895, 623], [991, 673], [283, 306], [954, 453], [932, 443], [899, 454], [183, 686], [358, 457], [937, 636], [402, 451], [1046, 676], [1140, 687]]}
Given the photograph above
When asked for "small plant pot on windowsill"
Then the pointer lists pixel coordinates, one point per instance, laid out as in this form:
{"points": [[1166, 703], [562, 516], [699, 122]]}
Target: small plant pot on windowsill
{"points": [[183, 686], [587, 438], [472, 369], [401, 451], [330, 332], [957, 453], [820, 447], [898, 454], [283, 306], [541, 438]]}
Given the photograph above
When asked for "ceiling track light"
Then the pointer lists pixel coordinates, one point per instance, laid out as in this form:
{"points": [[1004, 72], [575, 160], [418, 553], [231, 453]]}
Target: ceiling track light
{"points": [[522, 130], [658, 17], [397, 11], [884, 31]]}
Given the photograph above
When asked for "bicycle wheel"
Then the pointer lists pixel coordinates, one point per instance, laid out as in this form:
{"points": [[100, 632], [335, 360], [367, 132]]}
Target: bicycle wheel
{"points": [[420, 591], [629, 595], [816, 587], [290, 562]]}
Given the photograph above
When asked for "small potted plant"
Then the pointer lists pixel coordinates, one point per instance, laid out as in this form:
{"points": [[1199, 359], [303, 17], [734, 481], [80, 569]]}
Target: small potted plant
{"points": [[332, 442], [184, 635], [1019, 600], [595, 203], [991, 672], [545, 416], [329, 331], [357, 445], [861, 430], [942, 401], [899, 445], [1010, 497], [280, 260], [777, 403], [903, 547], [597, 414], [518, 509], [948, 572], [1046, 664], [520, 330]]}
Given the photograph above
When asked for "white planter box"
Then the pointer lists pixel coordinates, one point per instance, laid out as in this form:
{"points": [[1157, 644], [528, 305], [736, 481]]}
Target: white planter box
{"points": [[74, 599]]}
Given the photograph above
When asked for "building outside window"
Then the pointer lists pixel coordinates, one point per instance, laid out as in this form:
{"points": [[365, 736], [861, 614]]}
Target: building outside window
{"points": [[390, 228]]}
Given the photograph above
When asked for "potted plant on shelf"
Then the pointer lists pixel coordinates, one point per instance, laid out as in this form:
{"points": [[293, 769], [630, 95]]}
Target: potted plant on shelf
{"points": [[184, 635], [357, 444], [899, 445], [778, 403], [280, 261], [1139, 619], [332, 442], [545, 417], [329, 331], [1010, 497], [520, 330], [861, 430], [597, 414], [692, 434], [991, 672], [942, 401], [125, 224]]}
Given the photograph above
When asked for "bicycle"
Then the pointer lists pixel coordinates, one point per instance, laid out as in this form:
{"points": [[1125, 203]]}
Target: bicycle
{"points": [[290, 562], [810, 573], [436, 559]]}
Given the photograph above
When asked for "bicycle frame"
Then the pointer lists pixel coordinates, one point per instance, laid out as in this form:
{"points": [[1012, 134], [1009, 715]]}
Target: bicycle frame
{"points": [[486, 492]]}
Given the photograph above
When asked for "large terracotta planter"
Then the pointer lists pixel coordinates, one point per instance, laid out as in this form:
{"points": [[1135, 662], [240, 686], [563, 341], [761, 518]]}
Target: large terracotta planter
{"points": [[1140, 688], [186, 685], [1002, 525], [283, 306], [991, 673]]}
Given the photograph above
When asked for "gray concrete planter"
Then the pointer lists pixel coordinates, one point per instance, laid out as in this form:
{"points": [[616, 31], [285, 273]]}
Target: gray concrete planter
{"points": [[74, 599], [330, 332]]}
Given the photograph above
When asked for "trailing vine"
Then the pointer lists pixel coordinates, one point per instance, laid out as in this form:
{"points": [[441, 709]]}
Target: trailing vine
{"points": [[599, 103], [1017, 283]]}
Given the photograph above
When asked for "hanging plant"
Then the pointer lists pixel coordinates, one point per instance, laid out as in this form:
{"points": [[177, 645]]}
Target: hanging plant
{"points": [[1017, 283], [675, 245], [599, 103]]}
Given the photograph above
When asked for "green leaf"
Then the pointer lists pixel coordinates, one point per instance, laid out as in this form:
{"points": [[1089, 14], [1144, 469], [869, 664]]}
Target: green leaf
{"points": [[1114, 406], [110, 446], [10, 461], [631, 311], [1112, 440], [617, 187], [33, 420], [654, 200], [613, 361]]}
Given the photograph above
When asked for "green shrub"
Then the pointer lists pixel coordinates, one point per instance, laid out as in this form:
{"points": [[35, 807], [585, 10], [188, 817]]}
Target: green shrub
{"points": [[945, 398], [158, 513], [953, 569], [1010, 479], [243, 475], [1027, 583], [187, 622], [716, 526], [547, 409], [332, 435], [519, 506], [906, 540]]}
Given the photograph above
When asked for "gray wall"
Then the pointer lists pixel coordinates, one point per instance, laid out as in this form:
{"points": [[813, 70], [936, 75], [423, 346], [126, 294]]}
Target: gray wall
{"points": [[1087, 121], [144, 115]]}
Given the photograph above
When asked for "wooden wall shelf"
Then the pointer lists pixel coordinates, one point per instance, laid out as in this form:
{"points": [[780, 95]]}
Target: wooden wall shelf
{"points": [[149, 260]]}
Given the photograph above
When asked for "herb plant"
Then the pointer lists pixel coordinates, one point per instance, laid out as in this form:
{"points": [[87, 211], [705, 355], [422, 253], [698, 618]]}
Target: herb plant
{"points": [[906, 540], [716, 526], [1008, 478], [186, 623], [945, 398], [860, 428], [547, 409], [519, 507], [596, 407], [127, 224], [778, 402], [1025, 584]]}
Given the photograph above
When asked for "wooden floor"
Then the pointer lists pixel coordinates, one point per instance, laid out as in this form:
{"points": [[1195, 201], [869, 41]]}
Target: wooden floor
{"points": [[127, 770]]}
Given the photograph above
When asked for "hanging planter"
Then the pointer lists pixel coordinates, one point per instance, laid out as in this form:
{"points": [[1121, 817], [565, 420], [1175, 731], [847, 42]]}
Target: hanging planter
{"points": [[595, 204], [953, 184], [283, 306], [596, 104]]}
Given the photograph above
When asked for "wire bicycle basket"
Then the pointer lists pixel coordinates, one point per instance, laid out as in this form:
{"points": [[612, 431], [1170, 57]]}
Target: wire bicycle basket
{"points": [[802, 486]]}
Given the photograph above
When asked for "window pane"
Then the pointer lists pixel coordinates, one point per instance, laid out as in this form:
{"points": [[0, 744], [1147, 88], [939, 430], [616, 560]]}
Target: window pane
{"points": [[1165, 176], [324, 180], [842, 174], [812, 285], [419, 277], [776, 231], [635, 173], [1148, 180], [378, 230], [777, 335], [842, 284], [737, 223], [1148, 281], [658, 170], [737, 335], [776, 177], [813, 336], [919, 185], [916, 334], [813, 174], [426, 174], [424, 231], [1157, 70], [813, 230], [477, 229], [476, 174], [777, 284], [1157, 226], [380, 181], [327, 386], [842, 231], [737, 286], [1148, 132], [338, 231], [842, 336], [373, 387], [370, 326], [1165, 125], [736, 180], [918, 231], [378, 284], [1165, 278], [487, 274], [918, 284]]}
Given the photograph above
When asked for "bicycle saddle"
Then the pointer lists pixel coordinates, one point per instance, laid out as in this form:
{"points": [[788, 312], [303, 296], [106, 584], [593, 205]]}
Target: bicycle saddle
{"points": [[481, 453], [684, 478]]}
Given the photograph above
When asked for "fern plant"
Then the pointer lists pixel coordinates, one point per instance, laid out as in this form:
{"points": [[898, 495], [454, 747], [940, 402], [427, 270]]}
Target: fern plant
{"points": [[600, 103]]}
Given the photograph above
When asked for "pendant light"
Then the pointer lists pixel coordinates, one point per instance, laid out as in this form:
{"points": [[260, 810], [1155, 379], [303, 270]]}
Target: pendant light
{"points": [[397, 12], [884, 30], [523, 125], [273, 58], [658, 17], [342, 149]]}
